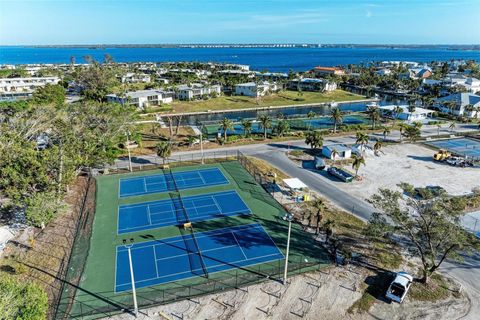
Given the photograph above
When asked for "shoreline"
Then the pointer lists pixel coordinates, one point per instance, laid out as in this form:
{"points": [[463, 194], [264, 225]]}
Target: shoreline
{"points": [[196, 113]]}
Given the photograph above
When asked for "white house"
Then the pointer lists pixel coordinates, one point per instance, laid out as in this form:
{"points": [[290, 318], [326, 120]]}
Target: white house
{"points": [[142, 98], [337, 151], [311, 84], [25, 84], [131, 77], [196, 91], [419, 114], [462, 100], [252, 89]]}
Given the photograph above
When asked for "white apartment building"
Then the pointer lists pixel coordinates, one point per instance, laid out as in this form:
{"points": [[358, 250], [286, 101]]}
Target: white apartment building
{"points": [[196, 91], [136, 78], [142, 98], [25, 85], [252, 89]]}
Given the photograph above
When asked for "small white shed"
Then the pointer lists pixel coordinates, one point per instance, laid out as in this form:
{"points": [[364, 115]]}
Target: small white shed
{"points": [[337, 151]]}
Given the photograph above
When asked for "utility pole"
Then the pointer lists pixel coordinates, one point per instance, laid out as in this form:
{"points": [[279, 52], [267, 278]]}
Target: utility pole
{"points": [[132, 278], [288, 217], [128, 149]]}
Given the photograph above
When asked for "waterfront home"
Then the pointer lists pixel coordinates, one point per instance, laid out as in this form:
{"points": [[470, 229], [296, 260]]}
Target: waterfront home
{"points": [[337, 151], [253, 89], [311, 84], [131, 77], [272, 76], [323, 71], [391, 64], [470, 84], [420, 72], [142, 99], [25, 84], [407, 114], [196, 91], [23, 88], [383, 72], [459, 107]]}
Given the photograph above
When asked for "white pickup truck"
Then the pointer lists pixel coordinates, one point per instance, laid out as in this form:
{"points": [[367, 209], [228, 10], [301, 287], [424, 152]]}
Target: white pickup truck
{"points": [[397, 291]]}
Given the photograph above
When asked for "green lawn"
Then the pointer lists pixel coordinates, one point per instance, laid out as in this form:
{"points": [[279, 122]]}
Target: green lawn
{"points": [[279, 99], [98, 279]]}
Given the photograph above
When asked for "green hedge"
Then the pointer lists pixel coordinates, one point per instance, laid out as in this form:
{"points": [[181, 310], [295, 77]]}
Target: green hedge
{"points": [[21, 300]]}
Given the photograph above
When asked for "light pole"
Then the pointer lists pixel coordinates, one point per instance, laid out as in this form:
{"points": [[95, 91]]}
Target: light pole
{"points": [[201, 145], [128, 149], [132, 278], [288, 217]]}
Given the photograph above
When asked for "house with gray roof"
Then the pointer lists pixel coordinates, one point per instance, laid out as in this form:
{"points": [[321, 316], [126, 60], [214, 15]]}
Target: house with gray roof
{"points": [[462, 100]]}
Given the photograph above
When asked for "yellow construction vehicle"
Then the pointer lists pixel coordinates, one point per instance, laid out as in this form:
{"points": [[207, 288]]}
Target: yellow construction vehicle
{"points": [[441, 155]]}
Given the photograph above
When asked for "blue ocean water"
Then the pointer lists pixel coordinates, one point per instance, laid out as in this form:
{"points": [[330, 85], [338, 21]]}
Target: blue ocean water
{"points": [[271, 59]]}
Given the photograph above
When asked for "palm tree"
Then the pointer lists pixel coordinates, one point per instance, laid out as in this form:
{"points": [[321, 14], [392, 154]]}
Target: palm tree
{"points": [[334, 155], [386, 132], [329, 229], [377, 146], [247, 127], [402, 126], [310, 116], [397, 111], [452, 126], [362, 140], [265, 124], [374, 115], [226, 124], [319, 204], [470, 108], [164, 149], [337, 116], [282, 128], [357, 162], [314, 139]]}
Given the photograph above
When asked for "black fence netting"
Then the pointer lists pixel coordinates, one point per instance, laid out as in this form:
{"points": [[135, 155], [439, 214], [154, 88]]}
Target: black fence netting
{"points": [[94, 305]]}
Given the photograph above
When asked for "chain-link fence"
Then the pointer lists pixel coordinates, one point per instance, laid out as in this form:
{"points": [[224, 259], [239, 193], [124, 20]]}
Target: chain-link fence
{"points": [[75, 302], [471, 222]]}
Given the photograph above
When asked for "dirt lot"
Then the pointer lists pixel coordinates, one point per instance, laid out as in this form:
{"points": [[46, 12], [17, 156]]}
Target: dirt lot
{"points": [[411, 163], [318, 295]]}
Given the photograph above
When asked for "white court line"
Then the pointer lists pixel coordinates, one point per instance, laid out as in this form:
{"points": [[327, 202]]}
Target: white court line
{"points": [[149, 216], [186, 254], [197, 235], [201, 177], [213, 266], [155, 258], [234, 237], [218, 206]]}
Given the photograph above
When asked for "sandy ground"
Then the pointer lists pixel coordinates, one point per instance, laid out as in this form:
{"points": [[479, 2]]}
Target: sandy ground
{"points": [[411, 163], [318, 295]]}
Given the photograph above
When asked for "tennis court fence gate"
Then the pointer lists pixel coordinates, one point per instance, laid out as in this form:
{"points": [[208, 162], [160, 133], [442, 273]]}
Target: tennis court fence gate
{"points": [[67, 306]]}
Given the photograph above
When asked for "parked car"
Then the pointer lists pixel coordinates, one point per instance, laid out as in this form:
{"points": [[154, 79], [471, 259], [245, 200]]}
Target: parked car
{"points": [[397, 291], [319, 163], [340, 174]]}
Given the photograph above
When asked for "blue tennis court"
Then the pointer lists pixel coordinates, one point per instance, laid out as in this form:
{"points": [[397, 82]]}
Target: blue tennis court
{"points": [[161, 213], [461, 146], [166, 260], [161, 183]]}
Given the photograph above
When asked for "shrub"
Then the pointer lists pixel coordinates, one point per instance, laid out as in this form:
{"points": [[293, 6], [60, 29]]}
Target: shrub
{"points": [[21, 300], [42, 207]]}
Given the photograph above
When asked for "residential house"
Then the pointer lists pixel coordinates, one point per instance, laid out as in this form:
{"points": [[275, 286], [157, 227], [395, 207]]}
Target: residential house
{"points": [[253, 89], [131, 77], [311, 84], [323, 71], [196, 91], [142, 99], [420, 72], [337, 151], [419, 114], [23, 88], [383, 72], [272, 76], [461, 101]]}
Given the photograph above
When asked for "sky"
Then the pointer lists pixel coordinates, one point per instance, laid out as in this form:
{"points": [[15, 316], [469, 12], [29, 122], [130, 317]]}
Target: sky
{"points": [[41, 22]]}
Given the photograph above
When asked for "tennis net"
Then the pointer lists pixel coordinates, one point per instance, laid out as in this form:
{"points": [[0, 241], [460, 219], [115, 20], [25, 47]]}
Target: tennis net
{"points": [[191, 244]]}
